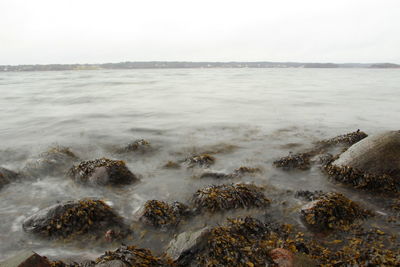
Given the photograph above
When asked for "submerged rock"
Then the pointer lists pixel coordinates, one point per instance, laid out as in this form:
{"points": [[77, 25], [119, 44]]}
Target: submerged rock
{"points": [[226, 197], [163, 215], [332, 211], [239, 172], [7, 176], [373, 163], [171, 165], [102, 172], [140, 145], [131, 256], [74, 218], [203, 160], [299, 161], [53, 162]]}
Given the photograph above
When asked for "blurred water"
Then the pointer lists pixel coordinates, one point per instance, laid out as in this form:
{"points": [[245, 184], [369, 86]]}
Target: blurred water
{"points": [[180, 111]]}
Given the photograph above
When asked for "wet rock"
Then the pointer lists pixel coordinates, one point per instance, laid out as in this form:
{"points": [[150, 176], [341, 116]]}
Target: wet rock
{"points": [[332, 211], [372, 164], [240, 243], [216, 175], [102, 172], [239, 172], [163, 215], [130, 256], [187, 245], [75, 218], [26, 259], [53, 162], [203, 160], [171, 165], [140, 145], [346, 139], [299, 161], [226, 197], [7, 176], [282, 257]]}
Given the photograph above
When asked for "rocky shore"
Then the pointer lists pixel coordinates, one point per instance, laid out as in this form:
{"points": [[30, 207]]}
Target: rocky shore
{"points": [[332, 228]]}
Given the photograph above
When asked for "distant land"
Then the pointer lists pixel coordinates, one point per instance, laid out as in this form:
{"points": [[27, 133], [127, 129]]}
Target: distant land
{"points": [[183, 65]]}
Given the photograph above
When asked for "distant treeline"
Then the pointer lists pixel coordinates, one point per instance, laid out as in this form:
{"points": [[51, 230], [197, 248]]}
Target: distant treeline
{"points": [[176, 64]]}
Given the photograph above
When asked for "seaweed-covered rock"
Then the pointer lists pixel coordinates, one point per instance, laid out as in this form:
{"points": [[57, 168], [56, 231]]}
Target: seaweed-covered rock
{"points": [[7, 176], [373, 163], [102, 172], [226, 197], [308, 195], [171, 165], [163, 215], [346, 139], [299, 161], [332, 211], [131, 256], [53, 162], [203, 160], [140, 145], [74, 218], [240, 243]]}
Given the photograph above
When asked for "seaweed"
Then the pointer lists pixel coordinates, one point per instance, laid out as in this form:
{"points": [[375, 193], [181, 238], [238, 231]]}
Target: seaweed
{"points": [[225, 197], [348, 139], [202, 160], [299, 161], [332, 211], [363, 180], [163, 215], [117, 172], [135, 257]]}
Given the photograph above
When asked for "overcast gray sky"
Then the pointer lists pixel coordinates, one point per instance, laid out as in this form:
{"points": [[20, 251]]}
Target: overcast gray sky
{"points": [[96, 31]]}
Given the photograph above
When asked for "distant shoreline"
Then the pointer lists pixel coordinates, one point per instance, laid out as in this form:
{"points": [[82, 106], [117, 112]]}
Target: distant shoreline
{"points": [[189, 65]]}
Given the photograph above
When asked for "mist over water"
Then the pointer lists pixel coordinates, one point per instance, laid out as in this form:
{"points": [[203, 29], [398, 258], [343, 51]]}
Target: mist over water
{"points": [[249, 116]]}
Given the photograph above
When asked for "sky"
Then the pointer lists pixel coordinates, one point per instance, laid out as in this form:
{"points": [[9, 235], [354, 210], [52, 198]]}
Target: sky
{"points": [[98, 31]]}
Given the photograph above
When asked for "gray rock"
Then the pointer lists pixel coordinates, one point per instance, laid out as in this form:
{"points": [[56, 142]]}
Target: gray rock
{"points": [[377, 155], [7, 176], [186, 245]]}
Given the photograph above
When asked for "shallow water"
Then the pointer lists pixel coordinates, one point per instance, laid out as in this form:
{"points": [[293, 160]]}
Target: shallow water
{"points": [[249, 116]]}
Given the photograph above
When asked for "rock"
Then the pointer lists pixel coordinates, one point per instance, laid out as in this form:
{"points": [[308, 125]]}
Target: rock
{"points": [[239, 172], [332, 211], [373, 163], [7, 176], [75, 218], [163, 215], [171, 165], [240, 243], [308, 195], [140, 145], [129, 256], [299, 161], [102, 172], [216, 175], [346, 139], [186, 245], [53, 162], [282, 257], [226, 197], [26, 259], [203, 160]]}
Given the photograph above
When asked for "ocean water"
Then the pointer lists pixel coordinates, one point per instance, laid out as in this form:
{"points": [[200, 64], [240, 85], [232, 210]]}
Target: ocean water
{"points": [[248, 117]]}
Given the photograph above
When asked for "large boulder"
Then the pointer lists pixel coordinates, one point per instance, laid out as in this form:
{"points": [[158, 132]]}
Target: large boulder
{"points": [[102, 172], [53, 162], [7, 176], [74, 218], [373, 163], [26, 259]]}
